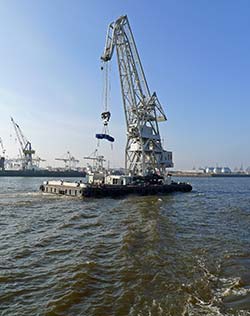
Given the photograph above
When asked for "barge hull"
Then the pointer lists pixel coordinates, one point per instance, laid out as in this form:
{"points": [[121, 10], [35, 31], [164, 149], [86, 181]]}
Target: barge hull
{"points": [[117, 191], [102, 191]]}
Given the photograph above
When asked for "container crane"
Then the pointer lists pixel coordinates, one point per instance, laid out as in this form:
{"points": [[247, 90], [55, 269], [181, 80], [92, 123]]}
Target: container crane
{"points": [[26, 150], [144, 153], [97, 160], [70, 161], [2, 156], [2, 148]]}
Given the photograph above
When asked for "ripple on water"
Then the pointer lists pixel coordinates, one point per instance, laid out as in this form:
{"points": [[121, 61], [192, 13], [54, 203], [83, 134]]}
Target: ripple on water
{"points": [[178, 255], [236, 282]]}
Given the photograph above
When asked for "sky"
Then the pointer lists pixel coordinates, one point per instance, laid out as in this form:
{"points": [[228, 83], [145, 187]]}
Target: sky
{"points": [[195, 54]]}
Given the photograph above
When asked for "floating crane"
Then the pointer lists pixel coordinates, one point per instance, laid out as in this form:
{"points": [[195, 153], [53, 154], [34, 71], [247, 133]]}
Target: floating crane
{"points": [[144, 153], [26, 150], [70, 161], [146, 160]]}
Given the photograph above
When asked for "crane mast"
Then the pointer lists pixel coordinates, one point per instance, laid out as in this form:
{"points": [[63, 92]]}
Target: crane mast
{"points": [[144, 153], [26, 147]]}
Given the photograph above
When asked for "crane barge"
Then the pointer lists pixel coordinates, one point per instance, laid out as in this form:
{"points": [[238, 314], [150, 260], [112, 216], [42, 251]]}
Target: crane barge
{"points": [[146, 161]]}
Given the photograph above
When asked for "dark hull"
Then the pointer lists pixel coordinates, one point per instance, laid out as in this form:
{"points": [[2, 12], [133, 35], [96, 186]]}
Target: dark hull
{"points": [[41, 173], [117, 190]]}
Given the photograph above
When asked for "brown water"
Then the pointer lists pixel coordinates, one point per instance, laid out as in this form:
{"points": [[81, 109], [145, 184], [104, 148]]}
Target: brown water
{"points": [[181, 254]]}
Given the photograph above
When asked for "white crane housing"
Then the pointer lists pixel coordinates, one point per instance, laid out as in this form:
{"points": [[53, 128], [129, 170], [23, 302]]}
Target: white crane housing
{"points": [[144, 153]]}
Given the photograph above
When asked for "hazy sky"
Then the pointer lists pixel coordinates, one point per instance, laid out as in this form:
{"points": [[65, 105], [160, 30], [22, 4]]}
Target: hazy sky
{"points": [[196, 55]]}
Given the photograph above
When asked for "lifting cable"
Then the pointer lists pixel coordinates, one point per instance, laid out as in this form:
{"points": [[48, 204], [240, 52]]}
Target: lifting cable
{"points": [[105, 116]]}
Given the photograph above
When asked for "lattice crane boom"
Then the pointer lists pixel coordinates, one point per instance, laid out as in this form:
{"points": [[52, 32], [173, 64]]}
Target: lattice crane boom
{"points": [[21, 139], [144, 153]]}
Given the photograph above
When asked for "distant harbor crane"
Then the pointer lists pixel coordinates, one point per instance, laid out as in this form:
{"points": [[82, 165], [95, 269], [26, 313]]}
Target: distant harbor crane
{"points": [[26, 150], [70, 161], [2, 155], [2, 148], [98, 161]]}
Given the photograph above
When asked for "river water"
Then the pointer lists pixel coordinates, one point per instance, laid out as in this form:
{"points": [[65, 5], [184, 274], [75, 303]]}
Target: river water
{"points": [[182, 254]]}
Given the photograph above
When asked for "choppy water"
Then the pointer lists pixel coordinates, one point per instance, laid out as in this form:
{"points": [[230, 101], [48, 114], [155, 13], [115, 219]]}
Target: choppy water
{"points": [[181, 254]]}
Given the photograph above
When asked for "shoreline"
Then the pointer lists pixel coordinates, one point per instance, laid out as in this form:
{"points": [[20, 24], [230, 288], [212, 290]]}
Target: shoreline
{"points": [[207, 175]]}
